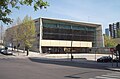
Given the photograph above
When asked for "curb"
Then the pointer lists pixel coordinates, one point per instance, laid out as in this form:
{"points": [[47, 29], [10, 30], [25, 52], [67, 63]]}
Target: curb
{"points": [[114, 69]]}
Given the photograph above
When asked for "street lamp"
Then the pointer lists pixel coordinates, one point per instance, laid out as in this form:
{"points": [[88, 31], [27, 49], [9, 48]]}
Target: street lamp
{"points": [[71, 51], [71, 43], [96, 49]]}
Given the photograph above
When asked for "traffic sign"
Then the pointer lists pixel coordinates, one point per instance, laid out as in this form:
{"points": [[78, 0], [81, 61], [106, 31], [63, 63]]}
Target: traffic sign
{"points": [[111, 49]]}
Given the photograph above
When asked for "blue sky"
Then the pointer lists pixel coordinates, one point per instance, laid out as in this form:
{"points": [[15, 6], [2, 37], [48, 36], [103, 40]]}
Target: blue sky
{"points": [[96, 11]]}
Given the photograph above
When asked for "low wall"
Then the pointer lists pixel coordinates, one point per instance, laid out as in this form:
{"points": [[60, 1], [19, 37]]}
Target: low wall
{"points": [[82, 56]]}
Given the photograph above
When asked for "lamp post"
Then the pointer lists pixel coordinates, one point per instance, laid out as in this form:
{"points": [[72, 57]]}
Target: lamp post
{"points": [[96, 49], [71, 51], [1, 28], [71, 43]]}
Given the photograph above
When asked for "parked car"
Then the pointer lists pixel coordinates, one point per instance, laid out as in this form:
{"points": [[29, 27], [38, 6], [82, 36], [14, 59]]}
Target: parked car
{"points": [[6, 52], [1, 50], [104, 59], [116, 60]]}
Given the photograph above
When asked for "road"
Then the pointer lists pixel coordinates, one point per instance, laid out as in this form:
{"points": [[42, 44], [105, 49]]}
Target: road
{"points": [[37, 68]]}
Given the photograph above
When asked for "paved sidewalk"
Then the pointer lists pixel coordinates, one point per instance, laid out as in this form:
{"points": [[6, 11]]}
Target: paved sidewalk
{"points": [[21, 54]]}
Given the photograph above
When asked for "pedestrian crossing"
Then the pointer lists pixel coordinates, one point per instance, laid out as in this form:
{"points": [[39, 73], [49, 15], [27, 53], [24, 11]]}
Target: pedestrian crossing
{"points": [[114, 75]]}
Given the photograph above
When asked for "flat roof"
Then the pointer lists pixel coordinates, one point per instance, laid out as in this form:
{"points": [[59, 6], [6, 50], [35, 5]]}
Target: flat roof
{"points": [[74, 22]]}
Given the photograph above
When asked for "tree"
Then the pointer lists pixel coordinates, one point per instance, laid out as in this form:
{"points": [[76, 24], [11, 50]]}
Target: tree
{"points": [[9, 36], [27, 36], [13, 33], [109, 42], [17, 33], [16, 36], [5, 7]]}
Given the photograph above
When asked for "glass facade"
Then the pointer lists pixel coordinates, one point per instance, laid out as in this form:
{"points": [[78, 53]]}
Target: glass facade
{"points": [[60, 30], [67, 31]]}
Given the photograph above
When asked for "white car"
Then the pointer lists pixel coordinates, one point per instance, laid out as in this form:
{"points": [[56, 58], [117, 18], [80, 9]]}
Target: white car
{"points": [[7, 52], [1, 50]]}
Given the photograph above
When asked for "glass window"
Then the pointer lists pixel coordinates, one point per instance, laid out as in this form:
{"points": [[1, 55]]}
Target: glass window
{"points": [[63, 26], [49, 25]]}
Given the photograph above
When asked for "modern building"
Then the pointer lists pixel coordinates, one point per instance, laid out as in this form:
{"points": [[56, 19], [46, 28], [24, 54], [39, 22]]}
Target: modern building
{"points": [[114, 28], [107, 32], [62, 36]]}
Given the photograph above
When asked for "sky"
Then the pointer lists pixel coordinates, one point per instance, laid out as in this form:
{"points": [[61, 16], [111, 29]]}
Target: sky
{"points": [[101, 12]]}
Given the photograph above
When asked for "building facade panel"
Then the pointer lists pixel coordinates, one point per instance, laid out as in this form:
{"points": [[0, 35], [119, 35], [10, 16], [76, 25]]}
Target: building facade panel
{"points": [[107, 31], [61, 43], [82, 35], [114, 30]]}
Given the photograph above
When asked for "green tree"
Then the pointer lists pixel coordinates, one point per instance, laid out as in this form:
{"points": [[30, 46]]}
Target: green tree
{"points": [[27, 33], [5, 7], [17, 33], [109, 42]]}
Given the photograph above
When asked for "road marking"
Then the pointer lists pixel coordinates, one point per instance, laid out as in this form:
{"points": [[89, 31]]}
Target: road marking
{"points": [[112, 76], [115, 75], [102, 77]]}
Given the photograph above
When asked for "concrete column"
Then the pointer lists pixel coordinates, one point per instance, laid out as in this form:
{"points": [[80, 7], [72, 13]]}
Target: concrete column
{"points": [[99, 38], [41, 34]]}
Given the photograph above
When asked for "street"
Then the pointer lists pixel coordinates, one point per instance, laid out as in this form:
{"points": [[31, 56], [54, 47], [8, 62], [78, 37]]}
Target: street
{"points": [[38, 68]]}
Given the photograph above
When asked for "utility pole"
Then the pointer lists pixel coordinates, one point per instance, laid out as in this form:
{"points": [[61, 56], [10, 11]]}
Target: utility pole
{"points": [[1, 36], [71, 43]]}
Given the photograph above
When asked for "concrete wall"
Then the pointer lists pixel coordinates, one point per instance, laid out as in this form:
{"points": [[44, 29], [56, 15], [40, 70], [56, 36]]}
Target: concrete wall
{"points": [[81, 56], [61, 43], [99, 37]]}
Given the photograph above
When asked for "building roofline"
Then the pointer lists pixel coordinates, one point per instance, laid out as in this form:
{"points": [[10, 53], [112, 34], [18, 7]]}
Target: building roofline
{"points": [[75, 22], [69, 21]]}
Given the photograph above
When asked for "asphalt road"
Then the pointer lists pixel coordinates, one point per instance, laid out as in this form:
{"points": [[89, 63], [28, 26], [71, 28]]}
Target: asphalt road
{"points": [[36, 68]]}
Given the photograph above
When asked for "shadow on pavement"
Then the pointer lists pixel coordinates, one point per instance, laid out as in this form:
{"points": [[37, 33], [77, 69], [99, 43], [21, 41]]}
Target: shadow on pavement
{"points": [[67, 62]]}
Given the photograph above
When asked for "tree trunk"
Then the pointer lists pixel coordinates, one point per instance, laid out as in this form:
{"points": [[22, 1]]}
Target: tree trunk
{"points": [[27, 52], [12, 46], [18, 45]]}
